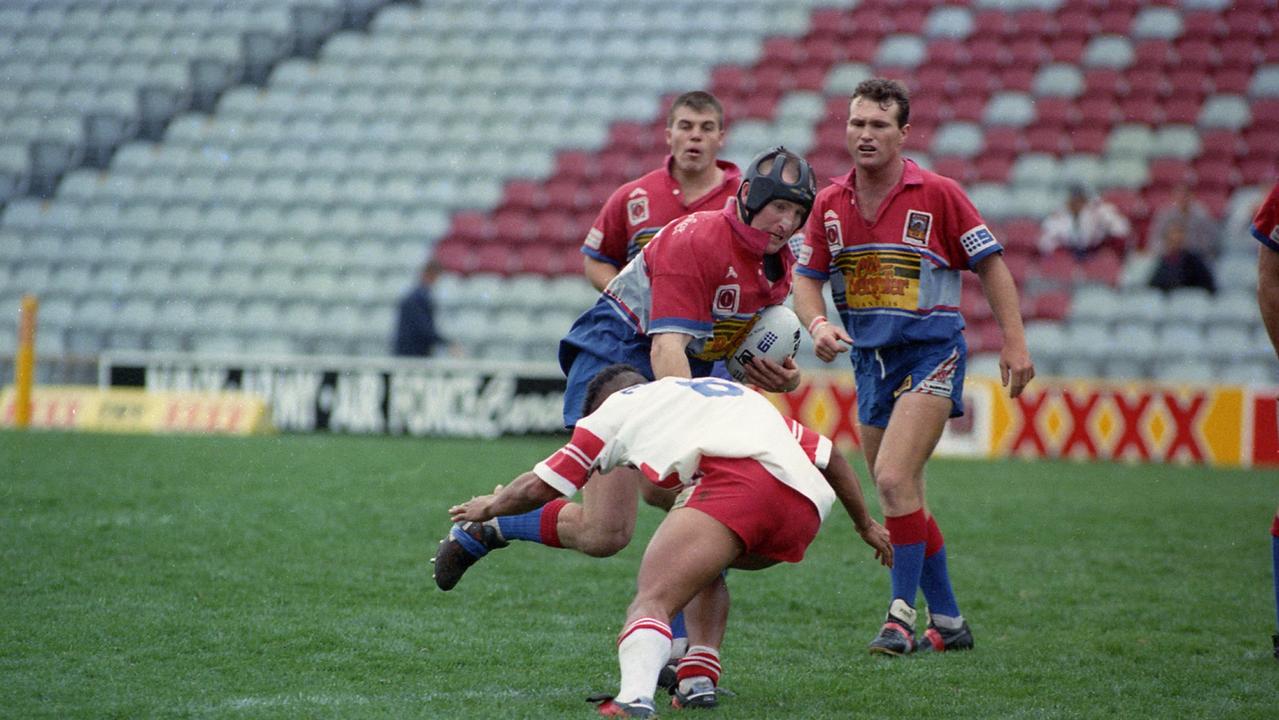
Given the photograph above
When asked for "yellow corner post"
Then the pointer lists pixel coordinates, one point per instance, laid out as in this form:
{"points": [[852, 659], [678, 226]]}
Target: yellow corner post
{"points": [[24, 363]]}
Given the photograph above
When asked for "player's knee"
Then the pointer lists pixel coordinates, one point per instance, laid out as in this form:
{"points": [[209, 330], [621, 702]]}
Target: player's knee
{"points": [[606, 542], [893, 486]]}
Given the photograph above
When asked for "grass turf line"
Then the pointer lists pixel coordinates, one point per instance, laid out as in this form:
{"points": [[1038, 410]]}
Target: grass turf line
{"points": [[288, 576]]}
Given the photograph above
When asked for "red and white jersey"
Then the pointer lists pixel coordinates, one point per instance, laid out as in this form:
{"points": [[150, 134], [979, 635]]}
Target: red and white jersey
{"points": [[664, 429], [637, 210], [896, 279], [701, 276], [1265, 225]]}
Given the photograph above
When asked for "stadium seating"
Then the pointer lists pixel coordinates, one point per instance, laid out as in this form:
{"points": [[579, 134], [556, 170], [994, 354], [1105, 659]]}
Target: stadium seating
{"points": [[488, 133]]}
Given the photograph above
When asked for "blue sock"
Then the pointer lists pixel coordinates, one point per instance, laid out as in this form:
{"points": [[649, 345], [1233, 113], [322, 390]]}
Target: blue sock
{"points": [[678, 630], [935, 582], [1274, 552], [522, 527], [908, 565]]}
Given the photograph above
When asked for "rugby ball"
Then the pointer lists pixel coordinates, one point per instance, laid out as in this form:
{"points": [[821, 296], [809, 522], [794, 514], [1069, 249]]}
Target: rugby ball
{"points": [[773, 335]]}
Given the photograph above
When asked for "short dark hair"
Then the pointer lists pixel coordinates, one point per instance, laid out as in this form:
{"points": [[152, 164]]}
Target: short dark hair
{"points": [[697, 101], [885, 92], [608, 381]]}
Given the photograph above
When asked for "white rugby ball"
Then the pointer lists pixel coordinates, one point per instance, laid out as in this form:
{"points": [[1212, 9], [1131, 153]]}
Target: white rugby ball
{"points": [[775, 335]]}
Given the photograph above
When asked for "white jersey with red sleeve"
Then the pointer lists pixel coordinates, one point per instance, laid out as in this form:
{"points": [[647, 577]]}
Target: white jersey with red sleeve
{"points": [[637, 210], [896, 279], [664, 429], [1265, 225]]}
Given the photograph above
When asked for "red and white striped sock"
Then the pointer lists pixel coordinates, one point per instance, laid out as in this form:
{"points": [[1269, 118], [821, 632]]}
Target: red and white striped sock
{"points": [[699, 661], [642, 650]]}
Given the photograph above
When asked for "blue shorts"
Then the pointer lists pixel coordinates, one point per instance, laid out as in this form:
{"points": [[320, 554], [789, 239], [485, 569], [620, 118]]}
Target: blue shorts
{"points": [[884, 374], [600, 338]]}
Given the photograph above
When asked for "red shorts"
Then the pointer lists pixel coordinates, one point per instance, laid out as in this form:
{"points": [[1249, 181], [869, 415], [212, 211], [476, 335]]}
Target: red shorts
{"points": [[771, 518]]}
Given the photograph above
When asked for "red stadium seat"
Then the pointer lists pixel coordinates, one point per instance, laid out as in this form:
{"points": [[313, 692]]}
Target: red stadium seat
{"points": [[1246, 23], [454, 256], [1169, 172], [1067, 49], [1057, 269], [1128, 202], [1053, 305], [785, 51], [1104, 81], [1099, 112], [471, 228], [1202, 24], [956, 168], [1030, 23], [1196, 53], [514, 227], [1047, 139], [993, 167], [1231, 81], [1088, 139], [1019, 265], [1240, 54], [1005, 141], [1019, 236], [985, 336], [1141, 108], [968, 107], [987, 51], [1075, 22], [1116, 20], [1147, 81], [1224, 143], [540, 260], [1056, 112], [1029, 52], [947, 53], [1192, 84], [495, 257], [1103, 266], [1265, 117], [1181, 109], [1258, 170], [524, 195], [576, 164], [1020, 78], [1215, 174], [1152, 54], [995, 23]]}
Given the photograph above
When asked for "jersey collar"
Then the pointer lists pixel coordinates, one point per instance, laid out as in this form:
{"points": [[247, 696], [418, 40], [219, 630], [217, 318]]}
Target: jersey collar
{"points": [[911, 175], [732, 176], [753, 240]]}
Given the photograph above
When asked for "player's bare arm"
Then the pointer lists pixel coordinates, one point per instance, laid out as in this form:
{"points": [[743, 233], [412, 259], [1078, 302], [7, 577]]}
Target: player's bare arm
{"points": [[843, 480], [1016, 369], [667, 355], [1268, 293], [768, 375], [598, 272], [527, 492], [829, 338]]}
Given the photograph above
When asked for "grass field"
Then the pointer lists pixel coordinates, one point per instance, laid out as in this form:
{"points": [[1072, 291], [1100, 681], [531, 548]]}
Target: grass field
{"points": [[288, 577]]}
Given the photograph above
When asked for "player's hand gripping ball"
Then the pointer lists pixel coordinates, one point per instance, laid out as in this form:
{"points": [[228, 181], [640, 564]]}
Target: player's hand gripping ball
{"points": [[775, 335]]}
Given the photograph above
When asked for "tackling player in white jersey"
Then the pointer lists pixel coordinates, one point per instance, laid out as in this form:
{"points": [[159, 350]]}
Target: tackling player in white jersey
{"points": [[757, 488]]}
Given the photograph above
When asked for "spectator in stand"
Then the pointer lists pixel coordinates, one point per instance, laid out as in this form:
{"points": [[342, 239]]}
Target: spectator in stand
{"points": [[1198, 225], [1180, 266], [1083, 225], [415, 332]]}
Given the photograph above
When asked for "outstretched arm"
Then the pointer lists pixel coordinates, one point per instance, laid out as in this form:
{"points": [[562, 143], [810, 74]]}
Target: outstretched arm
{"points": [[1268, 293], [527, 492], [843, 480]]}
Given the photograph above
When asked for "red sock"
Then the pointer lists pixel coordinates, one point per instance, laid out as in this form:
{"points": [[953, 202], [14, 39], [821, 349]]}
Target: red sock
{"points": [[699, 661], [1274, 526], [550, 522], [907, 529], [935, 539]]}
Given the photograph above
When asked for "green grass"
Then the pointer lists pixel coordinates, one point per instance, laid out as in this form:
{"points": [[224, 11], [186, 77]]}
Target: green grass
{"points": [[287, 577]]}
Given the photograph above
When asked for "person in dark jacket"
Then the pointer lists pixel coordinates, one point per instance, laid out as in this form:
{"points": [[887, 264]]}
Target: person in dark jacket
{"points": [[415, 333]]}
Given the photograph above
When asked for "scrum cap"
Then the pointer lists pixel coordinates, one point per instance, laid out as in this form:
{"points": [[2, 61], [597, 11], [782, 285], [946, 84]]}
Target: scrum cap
{"points": [[766, 187]]}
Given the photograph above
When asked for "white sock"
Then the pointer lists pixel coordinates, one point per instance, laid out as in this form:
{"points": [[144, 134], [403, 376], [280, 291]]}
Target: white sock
{"points": [[642, 650], [679, 647], [948, 622]]}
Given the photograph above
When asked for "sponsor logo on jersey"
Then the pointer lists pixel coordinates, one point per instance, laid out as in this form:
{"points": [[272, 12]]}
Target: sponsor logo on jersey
{"points": [[731, 272], [834, 235], [594, 238], [915, 231], [977, 240], [637, 207], [727, 298]]}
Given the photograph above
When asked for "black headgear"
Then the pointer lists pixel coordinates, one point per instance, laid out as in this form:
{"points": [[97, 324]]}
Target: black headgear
{"points": [[765, 188]]}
